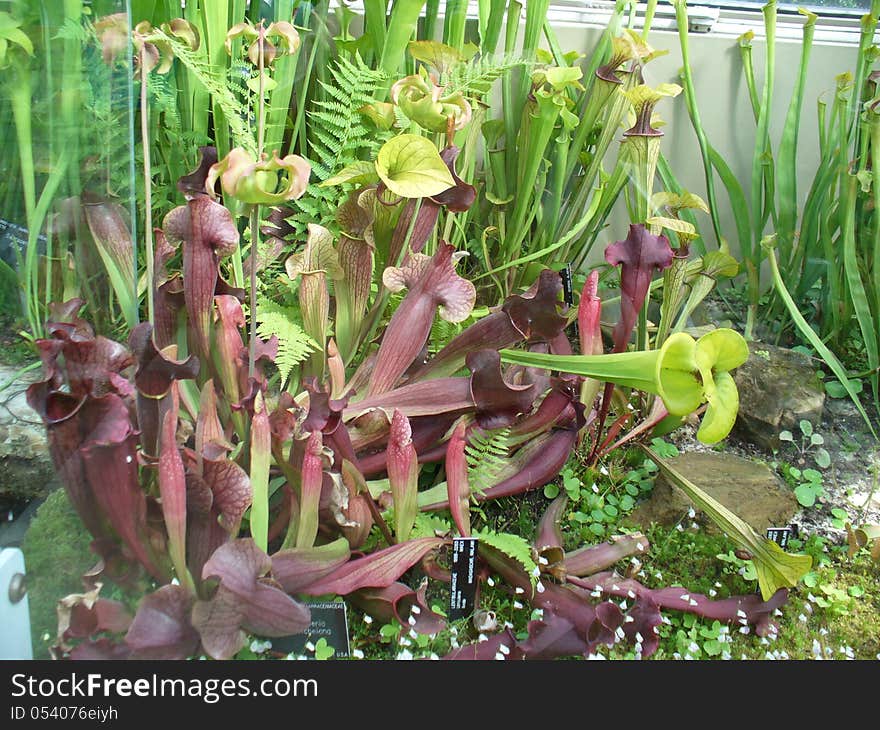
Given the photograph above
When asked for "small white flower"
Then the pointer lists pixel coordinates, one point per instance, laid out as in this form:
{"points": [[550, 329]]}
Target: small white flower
{"points": [[403, 641], [310, 646], [640, 547], [623, 605], [717, 584], [416, 610], [504, 649], [615, 587], [691, 512], [481, 638], [712, 592], [357, 653], [639, 637], [490, 581], [499, 656], [777, 612], [680, 529], [630, 594], [802, 618], [405, 655], [128, 459], [744, 629], [603, 471], [543, 561], [519, 590], [517, 605], [685, 596], [619, 633], [411, 620], [539, 587], [368, 619], [693, 647], [595, 488], [740, 613], [628, 619], [433, 657]]}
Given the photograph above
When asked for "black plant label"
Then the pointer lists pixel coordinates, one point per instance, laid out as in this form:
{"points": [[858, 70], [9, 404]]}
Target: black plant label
{"points": [[463, 586], [779, 535], [567, 285], [329, 621]]}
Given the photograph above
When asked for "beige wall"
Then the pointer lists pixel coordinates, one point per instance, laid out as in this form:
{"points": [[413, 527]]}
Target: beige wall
{"points": [[726, 113]]}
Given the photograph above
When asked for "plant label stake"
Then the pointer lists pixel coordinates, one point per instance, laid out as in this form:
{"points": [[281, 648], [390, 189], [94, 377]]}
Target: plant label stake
{"points": [[463, 587], [780, 535], [329, 621], [568, 292]]}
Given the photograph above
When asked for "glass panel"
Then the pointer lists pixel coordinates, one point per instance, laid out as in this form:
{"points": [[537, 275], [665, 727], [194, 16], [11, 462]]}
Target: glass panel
{"points": [[67, 231], [66, 196]]}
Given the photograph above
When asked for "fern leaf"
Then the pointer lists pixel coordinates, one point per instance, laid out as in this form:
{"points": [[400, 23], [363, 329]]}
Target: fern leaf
{"points": [[486, 454], [428, 525], [294, 345], [475, 78], [234, 110], [513, 546]]}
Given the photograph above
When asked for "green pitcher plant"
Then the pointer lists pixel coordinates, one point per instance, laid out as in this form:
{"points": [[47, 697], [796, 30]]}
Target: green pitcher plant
{"points": [[684, 372]]}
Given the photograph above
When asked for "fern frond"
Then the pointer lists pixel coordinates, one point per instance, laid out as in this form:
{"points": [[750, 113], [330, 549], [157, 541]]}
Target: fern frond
{"points": [[428, 525], [294, 345], [513, 546], [234, 110], [486, 453], [475, 78]]}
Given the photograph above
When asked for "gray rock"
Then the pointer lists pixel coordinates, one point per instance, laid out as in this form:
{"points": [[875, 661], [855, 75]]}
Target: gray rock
{"points": [[26, 471], [777, 389], [747, 488]]}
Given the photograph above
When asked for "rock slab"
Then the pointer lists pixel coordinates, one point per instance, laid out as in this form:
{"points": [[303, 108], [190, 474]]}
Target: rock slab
{"points": [[747, 488], [26, 470], [777, 389]]}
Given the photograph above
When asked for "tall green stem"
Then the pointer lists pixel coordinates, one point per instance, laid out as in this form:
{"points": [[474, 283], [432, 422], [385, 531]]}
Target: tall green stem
{"points": [[148, 183]]}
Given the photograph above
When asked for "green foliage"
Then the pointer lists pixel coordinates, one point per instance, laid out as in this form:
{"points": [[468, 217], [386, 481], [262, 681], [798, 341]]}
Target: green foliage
{"points": [[337, 137], [513, 546], [54, 538], [294, 345], [807, 484], [337, 133], [809, 441], [600, 499], [486, 454], [476, 77], [235, 111], [429, 525]]}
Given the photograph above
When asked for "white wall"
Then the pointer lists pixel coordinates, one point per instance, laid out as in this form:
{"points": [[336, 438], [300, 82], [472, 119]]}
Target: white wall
{"points": [[723, 103]]}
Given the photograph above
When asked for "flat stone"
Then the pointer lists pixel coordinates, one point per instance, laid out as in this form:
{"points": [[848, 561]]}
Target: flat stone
{"points": [[777, 389], [747, 488], [26, 470]]}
